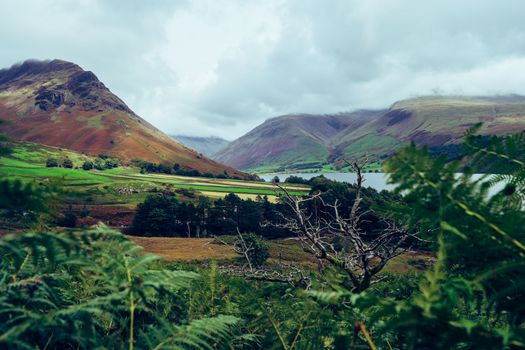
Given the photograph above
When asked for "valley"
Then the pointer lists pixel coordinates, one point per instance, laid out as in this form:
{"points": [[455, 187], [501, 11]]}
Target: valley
{"points": [[306, 232]]}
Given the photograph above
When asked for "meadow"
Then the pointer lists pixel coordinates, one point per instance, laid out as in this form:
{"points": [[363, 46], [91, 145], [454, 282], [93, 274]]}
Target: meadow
{"points": [[27, 162]]}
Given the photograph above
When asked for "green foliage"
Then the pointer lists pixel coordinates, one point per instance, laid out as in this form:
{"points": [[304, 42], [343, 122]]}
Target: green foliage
{"points": [[67, 163], [51, 163], [68, 219], [24, 203], [87, 165], [4, 149], [95, 289], [165, 215], [101, 163], [476, 291], [254, 247], [292, 179]]}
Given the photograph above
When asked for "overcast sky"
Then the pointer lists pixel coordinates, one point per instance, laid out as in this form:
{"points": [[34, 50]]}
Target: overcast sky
{"points": [[213, 67]]}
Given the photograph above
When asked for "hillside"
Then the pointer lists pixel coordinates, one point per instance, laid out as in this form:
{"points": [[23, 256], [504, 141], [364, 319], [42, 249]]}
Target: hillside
{"points": [[58, 103], [301, 140], [313, 142], [208, 146]]}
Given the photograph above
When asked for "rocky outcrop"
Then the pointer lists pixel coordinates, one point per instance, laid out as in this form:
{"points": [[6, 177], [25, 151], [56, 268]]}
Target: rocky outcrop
{"points": [[49, 99]]}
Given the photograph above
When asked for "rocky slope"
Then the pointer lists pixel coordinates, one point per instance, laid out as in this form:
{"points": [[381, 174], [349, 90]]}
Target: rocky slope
{"points": [[312, 141], [58, 103], [208, 146]]}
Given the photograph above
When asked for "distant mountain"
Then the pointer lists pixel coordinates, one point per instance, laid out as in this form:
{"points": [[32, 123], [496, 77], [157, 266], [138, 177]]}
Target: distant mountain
{"points": [[58, 103], [297, 142], [301, 140], [205, 145]]}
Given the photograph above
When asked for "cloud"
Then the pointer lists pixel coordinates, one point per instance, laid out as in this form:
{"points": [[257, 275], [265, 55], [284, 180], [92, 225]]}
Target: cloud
{"points": [[220, 67]]}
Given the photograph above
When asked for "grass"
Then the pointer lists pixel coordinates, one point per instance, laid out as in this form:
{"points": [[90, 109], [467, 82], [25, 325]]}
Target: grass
{"points": [[281, 251], [27, 163], [372, 144], [185, 249], [92, 122]]}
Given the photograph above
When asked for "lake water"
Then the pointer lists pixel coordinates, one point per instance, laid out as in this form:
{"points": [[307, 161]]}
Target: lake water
{"points": [[377, 181]]}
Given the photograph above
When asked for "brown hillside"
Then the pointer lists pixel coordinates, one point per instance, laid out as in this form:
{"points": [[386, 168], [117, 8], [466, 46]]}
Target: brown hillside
{"points": [[57, 103], [291, 143]]}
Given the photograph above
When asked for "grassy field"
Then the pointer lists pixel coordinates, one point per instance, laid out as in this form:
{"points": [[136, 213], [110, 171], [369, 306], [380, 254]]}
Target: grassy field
{"points": [[27, 163], [281, 250]]}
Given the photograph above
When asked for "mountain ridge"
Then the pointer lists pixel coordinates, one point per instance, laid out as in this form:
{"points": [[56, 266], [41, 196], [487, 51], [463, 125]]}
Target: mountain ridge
{"points": [[208, 146], [435, 121], [57, 103]]}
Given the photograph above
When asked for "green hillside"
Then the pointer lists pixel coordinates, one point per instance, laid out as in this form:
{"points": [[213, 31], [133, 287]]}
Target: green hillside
{"points": [[324, 142], [27, 162]]}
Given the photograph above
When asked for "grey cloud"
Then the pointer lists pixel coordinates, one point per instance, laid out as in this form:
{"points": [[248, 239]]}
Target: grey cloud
{"points": [[221, 67]]}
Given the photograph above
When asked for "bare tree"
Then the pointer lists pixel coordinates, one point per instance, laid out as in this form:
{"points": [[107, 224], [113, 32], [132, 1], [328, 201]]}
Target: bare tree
{"points": [[243, 248], [365, 257], [282, 273]]}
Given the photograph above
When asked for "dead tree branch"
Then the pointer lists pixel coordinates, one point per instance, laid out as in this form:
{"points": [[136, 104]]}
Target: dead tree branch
{"points": [[366, 257]]}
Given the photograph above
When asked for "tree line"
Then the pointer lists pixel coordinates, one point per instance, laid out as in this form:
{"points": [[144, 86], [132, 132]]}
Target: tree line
{"points": [[166, 215]]}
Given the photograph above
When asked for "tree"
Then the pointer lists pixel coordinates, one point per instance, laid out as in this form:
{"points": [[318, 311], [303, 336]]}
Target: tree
{"points": [[68, 219], [51, 163], [99, 164], [473, 296], [4, 149], [67, 163], [292, 179], [111, 163], [157, 215], [364, 256], [253, 248], [87, 165], [276, 179]]}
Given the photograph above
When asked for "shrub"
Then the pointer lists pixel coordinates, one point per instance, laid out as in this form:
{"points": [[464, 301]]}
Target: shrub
{"points": [[67, 163], [51, 163], [69, 219], [111, 163], [99, 164], [254, 247], [87, 165]]}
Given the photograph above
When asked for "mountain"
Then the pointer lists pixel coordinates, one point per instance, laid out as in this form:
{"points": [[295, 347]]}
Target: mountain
{"points": [[58, 103], [205, 145], [299, 142]]}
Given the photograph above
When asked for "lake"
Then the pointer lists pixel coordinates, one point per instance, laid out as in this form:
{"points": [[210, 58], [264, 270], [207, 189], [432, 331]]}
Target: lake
{"points": [[377, 181]]}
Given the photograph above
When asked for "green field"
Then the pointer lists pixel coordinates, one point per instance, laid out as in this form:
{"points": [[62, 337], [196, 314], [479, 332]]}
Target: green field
{"points": [[27, 163]]}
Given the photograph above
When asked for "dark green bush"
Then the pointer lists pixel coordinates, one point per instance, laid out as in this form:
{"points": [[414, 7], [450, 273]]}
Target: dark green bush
{"points": [[254, 247], [68, 219], [67, 163], [87, 165], [51, 163]]}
